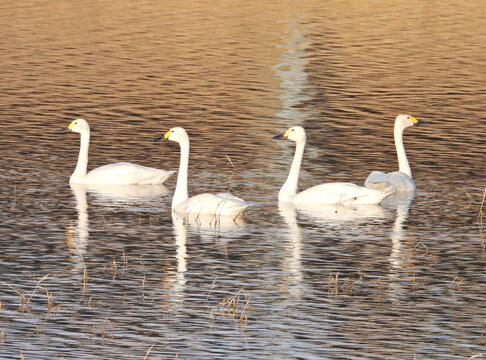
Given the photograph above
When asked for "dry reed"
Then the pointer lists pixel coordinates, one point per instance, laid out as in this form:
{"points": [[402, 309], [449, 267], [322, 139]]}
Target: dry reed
{"points": [[231, 306], [24, 302], [148, 352]]}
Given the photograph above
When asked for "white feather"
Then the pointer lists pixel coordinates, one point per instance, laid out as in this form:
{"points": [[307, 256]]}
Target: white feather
{"points": [[325, 194], [122, 173]]}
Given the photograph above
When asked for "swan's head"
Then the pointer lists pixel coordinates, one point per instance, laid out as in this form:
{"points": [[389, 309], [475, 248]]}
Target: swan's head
{"points": [[78, 126], [176, 134], [405, 121], [295, 133]]}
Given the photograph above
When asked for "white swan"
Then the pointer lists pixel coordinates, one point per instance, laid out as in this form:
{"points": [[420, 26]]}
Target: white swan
{"points": [[121, 173], [330, 193], [398, 181], [222, 204]]}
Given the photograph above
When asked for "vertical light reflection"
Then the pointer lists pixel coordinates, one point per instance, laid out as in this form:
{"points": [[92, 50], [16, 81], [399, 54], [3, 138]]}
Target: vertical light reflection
{"points": [[292, 73]]}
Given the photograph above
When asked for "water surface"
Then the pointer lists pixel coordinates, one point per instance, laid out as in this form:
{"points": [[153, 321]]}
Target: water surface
{"points": [[108, 273]]}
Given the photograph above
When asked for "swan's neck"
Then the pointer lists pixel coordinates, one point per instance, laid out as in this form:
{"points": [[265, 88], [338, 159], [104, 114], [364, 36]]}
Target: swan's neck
{"points": [[82, 166], [403, 165], [180, 193], [289, 188]]}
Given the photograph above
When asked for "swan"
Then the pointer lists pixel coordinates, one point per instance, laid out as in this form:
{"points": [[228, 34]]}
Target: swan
{"points": [[222, 204], [330, 193], [398, 181], [121, 173]]}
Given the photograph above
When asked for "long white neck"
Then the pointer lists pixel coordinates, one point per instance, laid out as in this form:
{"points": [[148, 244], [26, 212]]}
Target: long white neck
{"points": [[82, 167], [289, 188], [403, 165], [181, 193]]}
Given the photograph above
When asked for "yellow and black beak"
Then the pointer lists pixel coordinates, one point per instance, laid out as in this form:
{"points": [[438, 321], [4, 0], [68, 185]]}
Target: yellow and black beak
{"points": [[67, 128], [281, 136], [417, 122], [162, 137]]}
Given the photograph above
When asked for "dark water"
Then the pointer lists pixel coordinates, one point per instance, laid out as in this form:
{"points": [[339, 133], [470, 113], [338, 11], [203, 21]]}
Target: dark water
{"points": [[107, 273]]}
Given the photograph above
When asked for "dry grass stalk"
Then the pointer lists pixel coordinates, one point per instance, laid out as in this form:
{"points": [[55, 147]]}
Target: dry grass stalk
{"points": [[427, 253], [14, 197], [231, 306], [475, 356], [211, 288], [143, 287], [49, 299], [414, 283], [420, 243], [35, 289], [457, 284], [333, 284], [24, 302], [231, 162], [115, 269], [85, 277], [50, 303], [125, 260], [103, 328], [148, 352], [481, 212]]}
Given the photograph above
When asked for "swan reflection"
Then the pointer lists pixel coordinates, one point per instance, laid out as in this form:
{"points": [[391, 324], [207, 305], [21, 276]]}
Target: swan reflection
{"points": [[177, 282], [210, 227], [402, 205], [340, 214], [77, 235], [293, 263], [207, 228], [126, 193]]}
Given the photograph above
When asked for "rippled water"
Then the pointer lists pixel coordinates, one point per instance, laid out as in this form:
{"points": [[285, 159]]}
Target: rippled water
{"points": [[108, 273]]}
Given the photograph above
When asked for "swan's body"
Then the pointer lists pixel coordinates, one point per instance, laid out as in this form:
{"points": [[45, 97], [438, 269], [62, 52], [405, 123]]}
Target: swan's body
{"points": [[398, 181], [222, 204], [122, 173], [325, 194]]}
